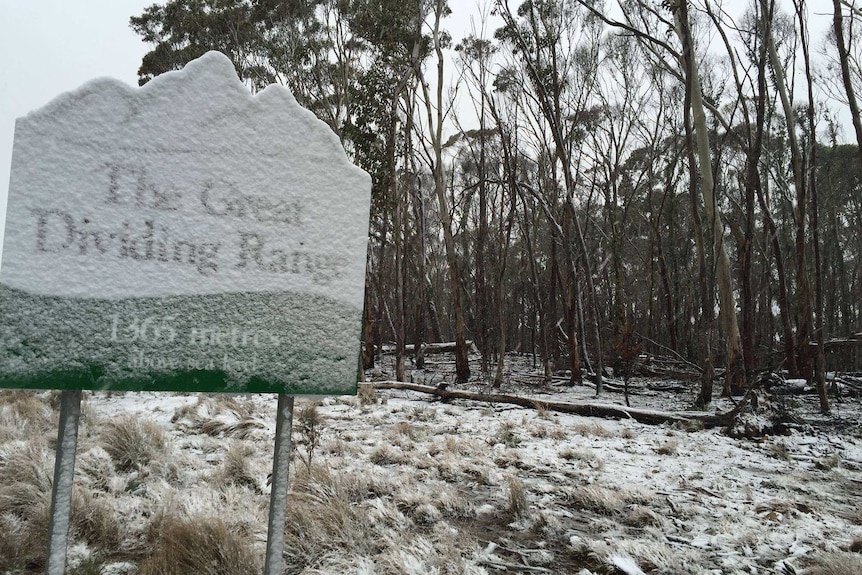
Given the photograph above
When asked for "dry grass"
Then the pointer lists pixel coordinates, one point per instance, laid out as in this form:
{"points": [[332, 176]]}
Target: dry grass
{"points": [[507, 435], [26, 406], [518, 506], [219, 416], [94, 468], [95, 521], [240, 429], [386, 455], [323, 519], [25, 500], [422, 413], [591, 430], [539, 431], [20, 548], [30, 463], [837, 563], [410, 431], [337, 523], [640, 516], [367, 394], [133, 442], [828, 462], [199, 546], [669, 447], [596, 499], [779, 450], [579, 454], [417, 503], [235, 469]]}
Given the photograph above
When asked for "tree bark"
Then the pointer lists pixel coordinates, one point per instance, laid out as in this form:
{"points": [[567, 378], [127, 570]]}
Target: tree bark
{"points": [[803, 288], [462, 366], [820, 357], [735, 373], [844, 61]]}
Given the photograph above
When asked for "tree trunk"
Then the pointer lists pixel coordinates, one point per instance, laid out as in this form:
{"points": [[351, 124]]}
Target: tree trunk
{"points": [[844, 61], [481, 301], [539, 315], [735, 376], [421, 297], [820, 358], [705, 283], [751, 186], [462, 366], [803, 288]]}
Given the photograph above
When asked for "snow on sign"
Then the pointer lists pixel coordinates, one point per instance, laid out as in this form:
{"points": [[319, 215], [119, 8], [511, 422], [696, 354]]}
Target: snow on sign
{"points": [[182, 236]]}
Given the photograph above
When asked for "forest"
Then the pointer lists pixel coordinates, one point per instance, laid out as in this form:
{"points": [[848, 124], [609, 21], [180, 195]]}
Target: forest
{"points": [[585, 183]]}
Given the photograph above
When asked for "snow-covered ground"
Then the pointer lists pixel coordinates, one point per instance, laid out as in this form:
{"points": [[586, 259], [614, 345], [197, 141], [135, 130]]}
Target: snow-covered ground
{"points": [[397, 482]]}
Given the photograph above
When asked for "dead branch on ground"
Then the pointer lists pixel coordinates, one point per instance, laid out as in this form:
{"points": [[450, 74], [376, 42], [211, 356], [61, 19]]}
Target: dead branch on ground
{"points": [[648, 416]]}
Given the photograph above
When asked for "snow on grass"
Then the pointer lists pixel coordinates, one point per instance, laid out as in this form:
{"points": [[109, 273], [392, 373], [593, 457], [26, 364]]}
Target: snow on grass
{"points": [[400, 483]]}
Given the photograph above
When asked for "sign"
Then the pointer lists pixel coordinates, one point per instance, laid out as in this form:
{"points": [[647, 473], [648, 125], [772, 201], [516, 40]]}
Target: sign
{"points": [[183, 236]]}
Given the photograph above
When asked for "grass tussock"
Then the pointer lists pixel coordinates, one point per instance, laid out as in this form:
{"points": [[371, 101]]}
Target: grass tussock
{"points": [[422, 413], [669, 447], [410, 431], [591, 430], [24, 412], [21, 547], [518, 505], [386, 455], [640, 516], [25, 501], [427, 505], [219, 416], [367, 394], [337, 523], [94, 468], [133, 442], [836, 563], [779, 450], [828, 462], [29, 463], [236, 468], [578, 454], [199, 546], [95, 521], [596, 499], [507, 435], [324, 518]]}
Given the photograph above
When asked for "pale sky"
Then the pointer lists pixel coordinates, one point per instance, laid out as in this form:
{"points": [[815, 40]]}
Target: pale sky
{"points": [[48, 47]]}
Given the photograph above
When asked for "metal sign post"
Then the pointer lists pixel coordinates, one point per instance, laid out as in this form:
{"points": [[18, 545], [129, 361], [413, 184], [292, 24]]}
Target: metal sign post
{"points": [[278, 492], [64, 475]]}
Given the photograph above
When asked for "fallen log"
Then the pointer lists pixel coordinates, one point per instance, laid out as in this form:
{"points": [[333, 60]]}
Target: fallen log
{"points": [[606, 410], [428, 348]]}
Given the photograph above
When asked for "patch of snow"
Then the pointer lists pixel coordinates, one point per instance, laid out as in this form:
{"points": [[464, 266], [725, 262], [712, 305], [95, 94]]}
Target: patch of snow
{"points": [[625, 564]]}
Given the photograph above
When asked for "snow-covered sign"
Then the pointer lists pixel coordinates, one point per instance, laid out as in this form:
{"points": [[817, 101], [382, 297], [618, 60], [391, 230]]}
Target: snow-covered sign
{"points": [[186, 235]]}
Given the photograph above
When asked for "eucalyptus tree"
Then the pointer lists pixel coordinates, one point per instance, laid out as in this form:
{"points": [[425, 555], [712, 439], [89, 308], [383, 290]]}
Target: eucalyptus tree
{"points": [[395, 44], [557, 45], [435, 113], [735, 376], [475, 59], [303, 45]]}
